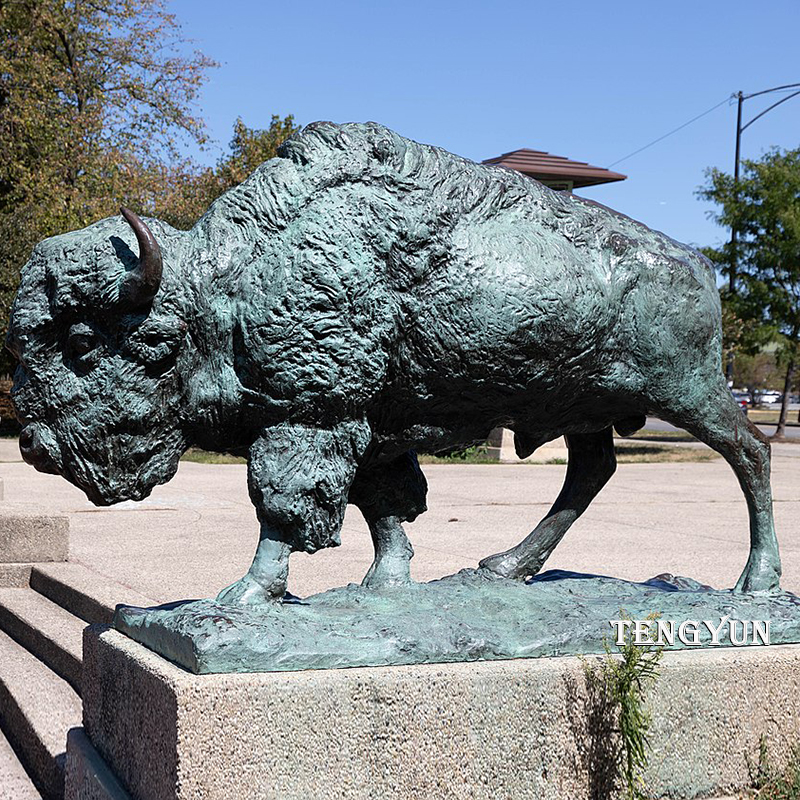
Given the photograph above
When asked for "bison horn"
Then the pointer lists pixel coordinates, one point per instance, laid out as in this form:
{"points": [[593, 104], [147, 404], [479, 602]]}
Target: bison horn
{"points": [[140, 285]]}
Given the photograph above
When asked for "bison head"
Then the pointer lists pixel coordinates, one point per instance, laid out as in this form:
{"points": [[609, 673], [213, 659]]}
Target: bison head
{"points": [[98, 389]]}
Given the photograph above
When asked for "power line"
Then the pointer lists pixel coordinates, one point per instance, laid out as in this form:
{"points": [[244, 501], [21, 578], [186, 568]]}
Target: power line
{"points": [[675, 130]]}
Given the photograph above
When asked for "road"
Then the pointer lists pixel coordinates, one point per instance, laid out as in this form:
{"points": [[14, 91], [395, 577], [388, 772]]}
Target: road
{"points": [[792, 431]]}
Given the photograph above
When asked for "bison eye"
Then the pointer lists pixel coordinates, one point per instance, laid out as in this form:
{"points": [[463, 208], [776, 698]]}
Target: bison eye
{"points": [[82, 340]]}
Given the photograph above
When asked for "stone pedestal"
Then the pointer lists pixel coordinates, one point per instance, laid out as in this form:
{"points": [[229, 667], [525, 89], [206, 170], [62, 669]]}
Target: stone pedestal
{"points": [[505, 729], [27, 536]]}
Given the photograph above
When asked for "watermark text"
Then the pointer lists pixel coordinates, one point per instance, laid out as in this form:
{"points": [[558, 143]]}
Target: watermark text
{"points": [[691, 632]]}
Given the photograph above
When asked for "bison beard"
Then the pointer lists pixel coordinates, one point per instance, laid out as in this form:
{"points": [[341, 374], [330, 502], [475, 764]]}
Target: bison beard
{"points": [[356, 299]]}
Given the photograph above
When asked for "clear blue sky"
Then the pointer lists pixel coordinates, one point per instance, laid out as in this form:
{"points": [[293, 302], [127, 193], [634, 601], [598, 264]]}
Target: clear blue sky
{"points": [[587, 80]]}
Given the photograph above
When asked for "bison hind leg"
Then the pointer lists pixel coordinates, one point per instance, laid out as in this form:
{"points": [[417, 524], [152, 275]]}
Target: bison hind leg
{"points": [[591, 463], [718, 421], [388, 495], [391, 565]]}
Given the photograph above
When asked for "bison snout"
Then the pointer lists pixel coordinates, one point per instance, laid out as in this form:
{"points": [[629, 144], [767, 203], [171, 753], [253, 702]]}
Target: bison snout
{"points": [[33, 450]]}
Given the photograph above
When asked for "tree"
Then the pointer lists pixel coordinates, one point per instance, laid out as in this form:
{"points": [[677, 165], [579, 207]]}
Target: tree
{"points": [[764, 207], [187, 191], [757, 372], [251, 147], [96, 97]]}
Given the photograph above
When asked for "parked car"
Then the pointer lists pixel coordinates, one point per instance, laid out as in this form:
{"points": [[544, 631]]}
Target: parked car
{"points": [[769, 396], [742, 398]]}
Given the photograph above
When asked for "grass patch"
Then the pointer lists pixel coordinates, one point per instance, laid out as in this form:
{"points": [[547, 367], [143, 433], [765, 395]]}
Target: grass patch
{"points": [[197, 456], [627, 453], [472, 455], [770, 416], [661, 454], [661, 436], [771, 783]]}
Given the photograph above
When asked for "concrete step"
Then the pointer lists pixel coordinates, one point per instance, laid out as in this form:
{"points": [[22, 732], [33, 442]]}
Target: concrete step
{"points": [[83, 592], [88, 776], [48, 631], [26, 535], [37, 708], [15, 576], [15, 783]]}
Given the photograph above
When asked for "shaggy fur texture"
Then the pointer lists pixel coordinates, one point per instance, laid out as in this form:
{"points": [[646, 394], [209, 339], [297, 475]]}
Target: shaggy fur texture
{"points": [[360, 297]]}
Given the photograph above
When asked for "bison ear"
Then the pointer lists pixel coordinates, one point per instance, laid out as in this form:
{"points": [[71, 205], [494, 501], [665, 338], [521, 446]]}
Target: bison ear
{"points": [[157, 339]]}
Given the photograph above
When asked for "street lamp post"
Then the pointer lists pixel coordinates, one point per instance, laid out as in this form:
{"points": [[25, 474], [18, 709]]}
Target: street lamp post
{"points": [[740, 129]]}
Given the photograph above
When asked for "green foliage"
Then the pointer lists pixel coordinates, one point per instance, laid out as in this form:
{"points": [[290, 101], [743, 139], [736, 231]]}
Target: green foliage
{"points": [[251, 147], [198, 456], [622, 679], [758, 372], [186, 195], [763, 206], [469, 453], [477, 454], [95, 100], [742, 332], [771, 783]]}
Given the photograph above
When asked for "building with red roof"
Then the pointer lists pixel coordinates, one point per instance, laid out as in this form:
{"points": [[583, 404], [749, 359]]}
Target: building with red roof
{"points": [[556, 172]]}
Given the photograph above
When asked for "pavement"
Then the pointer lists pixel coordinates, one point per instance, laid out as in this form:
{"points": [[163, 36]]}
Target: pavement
{"points": [[196, 534]]}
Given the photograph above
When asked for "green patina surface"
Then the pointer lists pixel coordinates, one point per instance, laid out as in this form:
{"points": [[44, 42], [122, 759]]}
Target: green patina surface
{"points": [[358, 299], [468, 616]]}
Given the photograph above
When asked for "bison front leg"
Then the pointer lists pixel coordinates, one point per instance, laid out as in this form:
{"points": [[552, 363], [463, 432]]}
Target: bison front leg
{"points": [[266, 579], [388, 495], [299, 477]]}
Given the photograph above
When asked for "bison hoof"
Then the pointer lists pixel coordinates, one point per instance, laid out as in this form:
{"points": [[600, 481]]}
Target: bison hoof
{"points": [[247, 591], [387, 572], [759, 577], [507, 565]]}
